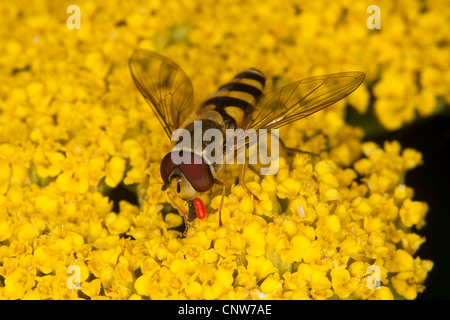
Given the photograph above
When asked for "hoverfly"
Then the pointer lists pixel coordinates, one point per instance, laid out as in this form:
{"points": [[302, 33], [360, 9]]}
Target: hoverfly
{"points": [[240, 103]]}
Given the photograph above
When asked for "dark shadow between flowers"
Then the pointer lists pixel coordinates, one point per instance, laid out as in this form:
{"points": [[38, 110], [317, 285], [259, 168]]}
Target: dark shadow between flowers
{"points": [[431, 183]]}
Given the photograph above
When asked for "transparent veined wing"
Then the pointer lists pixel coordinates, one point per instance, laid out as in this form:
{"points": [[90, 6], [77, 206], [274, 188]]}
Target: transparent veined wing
{"points": [[301, 99], [164, 85]]}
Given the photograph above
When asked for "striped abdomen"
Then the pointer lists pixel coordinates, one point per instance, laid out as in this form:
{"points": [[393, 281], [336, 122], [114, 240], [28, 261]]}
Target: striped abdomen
{"points": [[227, 108], [236, 100]]}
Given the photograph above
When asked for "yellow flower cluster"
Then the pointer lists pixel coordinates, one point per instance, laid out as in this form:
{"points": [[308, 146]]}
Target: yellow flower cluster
{"points": [[72, 126]]}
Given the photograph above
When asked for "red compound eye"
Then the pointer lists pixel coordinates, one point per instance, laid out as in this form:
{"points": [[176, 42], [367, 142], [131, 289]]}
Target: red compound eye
{"points": [[199, 175], [199, 208]]}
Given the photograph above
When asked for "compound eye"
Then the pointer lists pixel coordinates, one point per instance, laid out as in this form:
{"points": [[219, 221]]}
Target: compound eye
{"points": [[198, 173], [167, 166]]}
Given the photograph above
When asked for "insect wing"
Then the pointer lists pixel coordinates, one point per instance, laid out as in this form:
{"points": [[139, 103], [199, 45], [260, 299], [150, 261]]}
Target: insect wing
{"points": [[165, 87], [301, 99]]}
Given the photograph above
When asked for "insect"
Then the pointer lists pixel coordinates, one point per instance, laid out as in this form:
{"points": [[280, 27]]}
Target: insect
{"points": [[240, 103]]}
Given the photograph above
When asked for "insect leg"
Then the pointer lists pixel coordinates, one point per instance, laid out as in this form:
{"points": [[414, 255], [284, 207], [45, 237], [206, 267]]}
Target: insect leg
{"points": [[220, 183], [296, 150], [182, 212], [244, 166]]}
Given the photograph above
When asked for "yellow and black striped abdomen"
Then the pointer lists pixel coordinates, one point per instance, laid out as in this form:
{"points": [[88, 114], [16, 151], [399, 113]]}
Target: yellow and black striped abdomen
{"points": [[236, 100]]}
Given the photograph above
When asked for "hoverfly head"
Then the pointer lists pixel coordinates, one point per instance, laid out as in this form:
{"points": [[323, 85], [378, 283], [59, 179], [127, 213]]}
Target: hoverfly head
{"points": [[188, 178]]}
